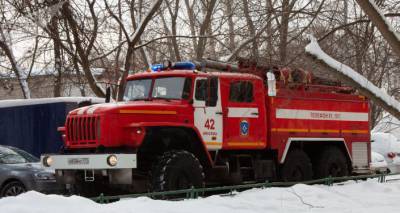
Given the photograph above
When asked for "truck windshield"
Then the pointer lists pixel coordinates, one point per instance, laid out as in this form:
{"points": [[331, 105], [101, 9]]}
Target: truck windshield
{"points": [[137, 89], [164, 88]]}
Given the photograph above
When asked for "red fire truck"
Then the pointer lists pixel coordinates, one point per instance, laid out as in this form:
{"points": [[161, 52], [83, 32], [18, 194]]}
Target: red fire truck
{"points": [[179, 128]]}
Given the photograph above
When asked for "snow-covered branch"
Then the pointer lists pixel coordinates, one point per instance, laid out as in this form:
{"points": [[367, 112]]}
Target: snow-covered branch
{"points": [[356, 80], [379, 20]]}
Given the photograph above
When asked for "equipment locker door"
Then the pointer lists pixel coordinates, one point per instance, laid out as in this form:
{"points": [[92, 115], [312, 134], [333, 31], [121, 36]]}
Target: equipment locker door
{"points": [[208, 111], [244, 118]]}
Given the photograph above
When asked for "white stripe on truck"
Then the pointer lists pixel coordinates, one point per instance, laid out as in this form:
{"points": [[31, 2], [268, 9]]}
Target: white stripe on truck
{"points": [[321, 115], [242, 112]]}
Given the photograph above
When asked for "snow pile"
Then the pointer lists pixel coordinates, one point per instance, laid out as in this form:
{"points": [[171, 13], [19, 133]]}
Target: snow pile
{"points": [[369, 196], [378, 162], [25, 102], [388, 124], [314, 49], [384, 143]]}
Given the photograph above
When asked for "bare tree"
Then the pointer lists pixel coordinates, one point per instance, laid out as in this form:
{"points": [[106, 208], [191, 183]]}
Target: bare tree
{"points": [[131, 41], [372, 10], [6, 45]]}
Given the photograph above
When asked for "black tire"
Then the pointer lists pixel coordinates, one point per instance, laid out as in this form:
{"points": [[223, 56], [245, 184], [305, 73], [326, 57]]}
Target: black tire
{"points": [[331, 162], [12, 188], [177, 169], [297, 167]]}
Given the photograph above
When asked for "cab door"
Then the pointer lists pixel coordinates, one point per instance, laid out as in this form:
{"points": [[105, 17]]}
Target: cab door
{"points": [[244, 120], [208, 116]]}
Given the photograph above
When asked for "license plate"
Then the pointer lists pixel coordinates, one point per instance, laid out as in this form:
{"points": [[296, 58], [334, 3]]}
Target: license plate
{"points": [[78, 161]]}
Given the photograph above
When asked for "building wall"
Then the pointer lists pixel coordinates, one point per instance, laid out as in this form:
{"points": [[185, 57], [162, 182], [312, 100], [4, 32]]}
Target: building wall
{"points": [[41, 86], [33, 128]]}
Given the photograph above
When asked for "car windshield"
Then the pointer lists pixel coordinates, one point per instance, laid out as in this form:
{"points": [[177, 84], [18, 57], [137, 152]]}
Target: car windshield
{"points": [[12, 155], [164, 88]]}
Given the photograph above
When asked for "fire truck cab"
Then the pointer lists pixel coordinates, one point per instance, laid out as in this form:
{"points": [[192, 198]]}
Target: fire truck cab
{"points": [[179, 128]]}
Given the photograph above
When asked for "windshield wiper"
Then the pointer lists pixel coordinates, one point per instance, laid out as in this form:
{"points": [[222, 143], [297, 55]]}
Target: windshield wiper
{"points": [[165, 98], [140, 99]]}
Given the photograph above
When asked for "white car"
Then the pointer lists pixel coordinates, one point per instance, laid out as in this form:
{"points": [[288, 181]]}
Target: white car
{"points": [[378, 163], [388, 146]]}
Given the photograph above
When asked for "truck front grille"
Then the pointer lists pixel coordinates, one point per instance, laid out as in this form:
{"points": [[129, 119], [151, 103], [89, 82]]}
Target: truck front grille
{"points": [[82, 130]]}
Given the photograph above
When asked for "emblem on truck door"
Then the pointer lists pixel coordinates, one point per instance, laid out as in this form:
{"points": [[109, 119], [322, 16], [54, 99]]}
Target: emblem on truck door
{"points": [[244, 128]]}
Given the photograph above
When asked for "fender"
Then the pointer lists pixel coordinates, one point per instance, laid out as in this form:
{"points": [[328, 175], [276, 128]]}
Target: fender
{"points": [[172, 124], [290, 140]]}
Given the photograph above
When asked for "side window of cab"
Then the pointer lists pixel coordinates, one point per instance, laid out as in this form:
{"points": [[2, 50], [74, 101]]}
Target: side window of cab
{"points": [[201, 89], [207, 90], [241, 92]]}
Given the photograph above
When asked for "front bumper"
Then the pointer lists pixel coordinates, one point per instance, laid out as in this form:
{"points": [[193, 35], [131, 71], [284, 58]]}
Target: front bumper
{"points": [[71, 169], [89, 161], [48, 187]]}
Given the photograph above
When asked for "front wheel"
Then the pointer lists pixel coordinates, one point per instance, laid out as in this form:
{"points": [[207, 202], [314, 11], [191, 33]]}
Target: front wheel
{"points": [[13, 188], [297, 167], [177, 169]]}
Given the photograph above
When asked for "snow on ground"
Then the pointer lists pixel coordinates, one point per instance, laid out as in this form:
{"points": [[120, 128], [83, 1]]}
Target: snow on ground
{"points": [[365, 196]]}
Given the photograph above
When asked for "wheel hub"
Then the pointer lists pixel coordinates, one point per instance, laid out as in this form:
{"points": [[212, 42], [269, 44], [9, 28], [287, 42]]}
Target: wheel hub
{"points": [[14, 191]]}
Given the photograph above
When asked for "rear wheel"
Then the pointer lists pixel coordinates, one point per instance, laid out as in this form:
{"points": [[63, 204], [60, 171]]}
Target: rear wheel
{"points": [[297, 167], [13, 188], [177, 169], [332, 162]]}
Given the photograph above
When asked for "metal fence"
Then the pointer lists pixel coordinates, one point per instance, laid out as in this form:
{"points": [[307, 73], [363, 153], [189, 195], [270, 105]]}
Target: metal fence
{"points": [[194, 193]]}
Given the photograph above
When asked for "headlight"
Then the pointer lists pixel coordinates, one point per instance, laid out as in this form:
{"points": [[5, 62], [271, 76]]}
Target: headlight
{"points": [[112, 160], [44, 176], [47, 161]]}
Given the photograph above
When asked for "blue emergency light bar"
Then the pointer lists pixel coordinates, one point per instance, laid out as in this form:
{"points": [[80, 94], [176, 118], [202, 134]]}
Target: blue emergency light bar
{"points": [[157, 67], [183, 65]]}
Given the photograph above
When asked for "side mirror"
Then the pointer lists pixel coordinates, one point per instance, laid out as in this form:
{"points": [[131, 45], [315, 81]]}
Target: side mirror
{"points": [[108, 94], [271, 83]]}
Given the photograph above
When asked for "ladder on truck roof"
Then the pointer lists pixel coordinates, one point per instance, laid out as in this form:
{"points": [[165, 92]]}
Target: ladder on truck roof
{"points": [[294, 79]]}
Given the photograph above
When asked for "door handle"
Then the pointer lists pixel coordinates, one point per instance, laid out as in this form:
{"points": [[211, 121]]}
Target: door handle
{"points": [[254, 113], [219, 113]]}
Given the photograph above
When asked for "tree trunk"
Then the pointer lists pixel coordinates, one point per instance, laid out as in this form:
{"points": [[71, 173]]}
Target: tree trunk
{"points": [[379, 22], [174, 16], [231, 25], [83, 54], [192, 22], [251, 28], [131, 46], [203, 29], [283, 31], [16, 68], [57, 57]]}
